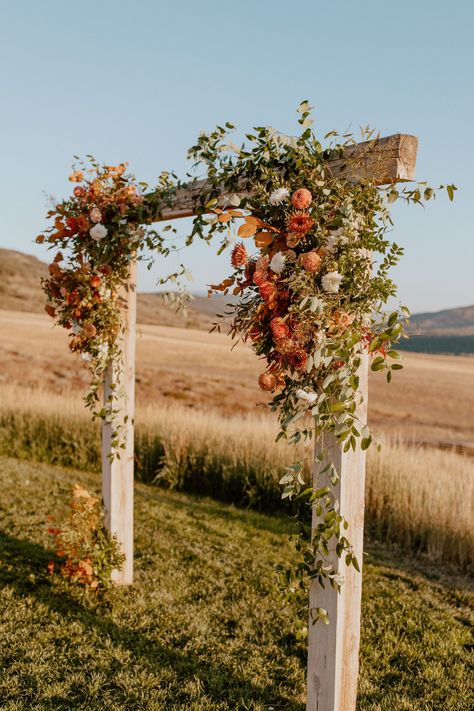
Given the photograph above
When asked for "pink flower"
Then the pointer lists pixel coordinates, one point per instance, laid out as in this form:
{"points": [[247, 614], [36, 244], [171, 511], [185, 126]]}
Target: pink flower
{"points": [[95, 214]]}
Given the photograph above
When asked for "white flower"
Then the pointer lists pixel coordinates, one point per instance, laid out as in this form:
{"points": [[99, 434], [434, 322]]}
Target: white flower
{"points": [[277, 263], [98, 232], [319, 339], [331, 282], [310, 397], [103, 350], [86, 356], [278, 196], [334, 239]]}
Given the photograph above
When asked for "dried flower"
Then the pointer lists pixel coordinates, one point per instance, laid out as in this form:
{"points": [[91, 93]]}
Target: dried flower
{"points": [[268, 291], [297, 358], [341, 318], [89, 330], [293, 239], [77, 176], [259, 278]]}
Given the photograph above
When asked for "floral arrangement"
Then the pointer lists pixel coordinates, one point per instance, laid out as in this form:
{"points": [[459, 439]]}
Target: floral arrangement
{"points": [[88, 553], [313, 289], [97, 233]]}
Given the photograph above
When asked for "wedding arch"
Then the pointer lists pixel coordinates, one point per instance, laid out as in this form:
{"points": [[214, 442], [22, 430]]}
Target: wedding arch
{"points": [[316, 216]]}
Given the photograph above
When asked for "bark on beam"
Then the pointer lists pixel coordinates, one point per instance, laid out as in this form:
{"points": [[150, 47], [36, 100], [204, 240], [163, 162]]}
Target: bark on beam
{"points": [[381, 160]]}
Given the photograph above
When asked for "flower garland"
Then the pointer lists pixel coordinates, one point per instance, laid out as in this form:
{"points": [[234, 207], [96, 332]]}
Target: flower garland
{"points": [[312, 297], [98, 232]]}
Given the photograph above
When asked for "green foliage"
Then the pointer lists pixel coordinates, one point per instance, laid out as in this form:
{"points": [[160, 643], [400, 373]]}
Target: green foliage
{"points": [[315, 312], [204, 628]]}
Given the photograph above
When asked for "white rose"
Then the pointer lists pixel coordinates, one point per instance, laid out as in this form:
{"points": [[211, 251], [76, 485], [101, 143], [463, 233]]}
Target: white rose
{"points": [[98, 232]]}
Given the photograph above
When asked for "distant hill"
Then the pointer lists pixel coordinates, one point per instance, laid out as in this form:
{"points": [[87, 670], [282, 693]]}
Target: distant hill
{"points": [[448, 331], [450, 322], [20, 290]]}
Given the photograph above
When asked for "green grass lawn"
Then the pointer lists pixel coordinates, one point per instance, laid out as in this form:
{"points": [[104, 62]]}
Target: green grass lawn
{"points": [[203, 627]]}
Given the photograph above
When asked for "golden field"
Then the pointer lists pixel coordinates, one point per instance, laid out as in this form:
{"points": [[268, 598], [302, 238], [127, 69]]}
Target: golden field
{"points": [[431, 400]]}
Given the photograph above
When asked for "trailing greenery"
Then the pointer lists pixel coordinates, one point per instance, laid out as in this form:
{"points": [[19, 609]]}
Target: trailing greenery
{"points": [[204, 628]]}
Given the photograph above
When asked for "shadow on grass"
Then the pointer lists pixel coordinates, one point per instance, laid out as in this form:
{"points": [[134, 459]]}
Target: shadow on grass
{"points": [[24, 571]]}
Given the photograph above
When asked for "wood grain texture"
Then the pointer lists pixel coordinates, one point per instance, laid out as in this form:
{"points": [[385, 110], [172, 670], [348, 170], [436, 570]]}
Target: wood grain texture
{"points": [[382, 160], [333, 650], [117, 474]]}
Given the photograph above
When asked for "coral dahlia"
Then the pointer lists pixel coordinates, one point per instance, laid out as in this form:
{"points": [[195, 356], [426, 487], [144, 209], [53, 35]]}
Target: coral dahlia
{"points": [[301, 199], [310, 261], [299, 223]]}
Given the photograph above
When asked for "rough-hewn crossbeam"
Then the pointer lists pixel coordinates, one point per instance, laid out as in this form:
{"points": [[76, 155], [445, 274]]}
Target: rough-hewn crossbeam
{"points": [[381, 160]]}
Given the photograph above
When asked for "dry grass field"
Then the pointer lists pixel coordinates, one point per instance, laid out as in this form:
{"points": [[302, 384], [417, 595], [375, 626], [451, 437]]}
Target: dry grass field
{"points": [[431, 400]]}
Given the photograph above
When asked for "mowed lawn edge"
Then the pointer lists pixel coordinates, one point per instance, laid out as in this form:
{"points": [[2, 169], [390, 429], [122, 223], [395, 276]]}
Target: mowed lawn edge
{"points": [[204, 626]]}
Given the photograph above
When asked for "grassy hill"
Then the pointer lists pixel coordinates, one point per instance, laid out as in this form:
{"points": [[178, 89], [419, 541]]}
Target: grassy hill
{"points": [[204, 627]]}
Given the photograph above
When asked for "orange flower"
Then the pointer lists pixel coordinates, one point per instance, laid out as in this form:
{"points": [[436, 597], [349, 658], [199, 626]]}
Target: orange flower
{"points": [[310, 261], [297, 358], [89, 330], [299, 223], [301, 199], [259, 278], [77, 176], [279, 328], [267, 381], [95, 281], [341, 318], [239, 256], [268, 291], [79, 191]]}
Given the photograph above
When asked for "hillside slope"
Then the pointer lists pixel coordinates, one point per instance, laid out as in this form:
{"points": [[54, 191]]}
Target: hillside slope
{"points": [[449, 322]]}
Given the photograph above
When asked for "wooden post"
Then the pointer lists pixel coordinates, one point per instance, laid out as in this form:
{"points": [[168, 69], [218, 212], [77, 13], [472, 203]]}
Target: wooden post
{"points": [[117, 474], [333, 650]]}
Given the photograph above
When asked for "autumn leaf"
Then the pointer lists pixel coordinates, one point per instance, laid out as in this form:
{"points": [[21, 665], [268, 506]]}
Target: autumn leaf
{"points": [[222, 286], [263, 239]]}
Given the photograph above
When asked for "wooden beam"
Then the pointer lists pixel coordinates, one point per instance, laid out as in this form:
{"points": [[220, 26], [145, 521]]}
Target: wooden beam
{"points": [[382, 160], [117, 474], [333, 650]]}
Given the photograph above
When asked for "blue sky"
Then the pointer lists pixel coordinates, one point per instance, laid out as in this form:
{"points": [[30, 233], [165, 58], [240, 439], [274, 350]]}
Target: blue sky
{"points": [[138, 80]]}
